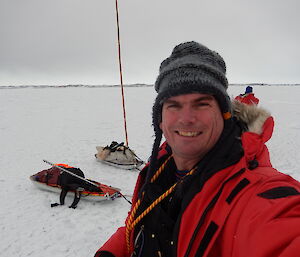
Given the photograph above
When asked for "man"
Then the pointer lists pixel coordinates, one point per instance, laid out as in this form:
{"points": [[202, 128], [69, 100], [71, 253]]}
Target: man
{"points": [[248, 97], [210, 189]]}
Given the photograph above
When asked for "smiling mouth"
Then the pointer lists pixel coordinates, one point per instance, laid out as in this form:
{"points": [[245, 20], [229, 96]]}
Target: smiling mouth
{"points": [[188, 133]]}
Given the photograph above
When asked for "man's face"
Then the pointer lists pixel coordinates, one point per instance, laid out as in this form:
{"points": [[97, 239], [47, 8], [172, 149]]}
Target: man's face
{"points": [[191, 124]]}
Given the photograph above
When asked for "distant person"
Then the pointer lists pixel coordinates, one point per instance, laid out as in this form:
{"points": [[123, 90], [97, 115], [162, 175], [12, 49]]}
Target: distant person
{"points": [[210, 189], [248, 97]]}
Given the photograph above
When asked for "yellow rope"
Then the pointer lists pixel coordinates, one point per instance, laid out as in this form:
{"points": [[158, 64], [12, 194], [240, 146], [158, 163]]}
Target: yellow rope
{"points": [[131, 224], [161, 168], [157, 201], [136, 206]]}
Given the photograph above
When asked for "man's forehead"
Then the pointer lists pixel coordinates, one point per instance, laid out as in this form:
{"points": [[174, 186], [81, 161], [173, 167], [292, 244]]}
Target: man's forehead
{"points": [[194, 97]]}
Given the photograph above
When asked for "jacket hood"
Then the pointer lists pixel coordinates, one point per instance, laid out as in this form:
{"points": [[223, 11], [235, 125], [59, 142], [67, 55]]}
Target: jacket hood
{"points": [[258, 130], [251, 115]]}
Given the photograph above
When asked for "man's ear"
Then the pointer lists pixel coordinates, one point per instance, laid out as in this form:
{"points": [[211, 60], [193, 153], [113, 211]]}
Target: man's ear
{"points": [[160, 126]]}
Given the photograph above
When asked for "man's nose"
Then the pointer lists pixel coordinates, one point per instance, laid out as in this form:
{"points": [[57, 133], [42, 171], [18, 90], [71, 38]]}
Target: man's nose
{"points": [[187, 115]]}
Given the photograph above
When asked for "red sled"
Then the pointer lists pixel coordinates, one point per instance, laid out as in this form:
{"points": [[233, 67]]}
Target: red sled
{"points": [[48, 180]]}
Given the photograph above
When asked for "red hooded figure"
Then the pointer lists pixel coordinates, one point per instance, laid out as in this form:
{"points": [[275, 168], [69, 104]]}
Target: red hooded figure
{"points": [[248, 97]]}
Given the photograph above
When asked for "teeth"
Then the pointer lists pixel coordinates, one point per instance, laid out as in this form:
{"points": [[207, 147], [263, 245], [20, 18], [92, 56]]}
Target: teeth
{"points": [[188, 134]]}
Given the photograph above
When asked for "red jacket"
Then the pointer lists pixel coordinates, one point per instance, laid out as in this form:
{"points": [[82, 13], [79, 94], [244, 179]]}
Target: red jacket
{"points": [[248, 212], [247, 99]]}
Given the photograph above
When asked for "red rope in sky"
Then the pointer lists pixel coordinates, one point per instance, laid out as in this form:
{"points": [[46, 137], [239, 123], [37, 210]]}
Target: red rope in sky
{"points": [[121, 77]]}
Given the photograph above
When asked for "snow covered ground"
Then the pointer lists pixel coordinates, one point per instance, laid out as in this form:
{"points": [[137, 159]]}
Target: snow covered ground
{"points": [[64, 125]]}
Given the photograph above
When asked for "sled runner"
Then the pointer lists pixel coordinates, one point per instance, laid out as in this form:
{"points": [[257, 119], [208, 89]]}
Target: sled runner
{"points": [[118, 155], [49, 180]]}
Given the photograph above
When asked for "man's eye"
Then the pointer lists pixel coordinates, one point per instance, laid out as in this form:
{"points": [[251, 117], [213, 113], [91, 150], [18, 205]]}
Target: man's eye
{"points": [[173, 106], [202, 104]]}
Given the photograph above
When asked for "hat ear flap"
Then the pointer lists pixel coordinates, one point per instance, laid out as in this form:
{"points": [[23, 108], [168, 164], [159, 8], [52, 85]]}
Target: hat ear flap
{"points": [[153, 158], [156, 114]]}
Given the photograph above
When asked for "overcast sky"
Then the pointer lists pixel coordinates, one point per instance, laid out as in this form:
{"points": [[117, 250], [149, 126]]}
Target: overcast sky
{"points": [[75, 41]]}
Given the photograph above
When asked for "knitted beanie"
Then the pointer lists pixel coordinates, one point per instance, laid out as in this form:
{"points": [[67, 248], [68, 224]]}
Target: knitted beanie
{"points": [[248, 90], [191, 68]]}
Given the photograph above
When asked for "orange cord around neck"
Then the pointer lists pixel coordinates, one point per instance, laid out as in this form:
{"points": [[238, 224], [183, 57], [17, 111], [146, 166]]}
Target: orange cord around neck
{"points": [[131, 222]]}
